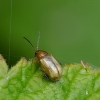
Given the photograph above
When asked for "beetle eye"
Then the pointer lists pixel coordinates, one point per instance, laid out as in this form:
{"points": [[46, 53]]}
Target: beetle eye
{"points": [[35, 54]]}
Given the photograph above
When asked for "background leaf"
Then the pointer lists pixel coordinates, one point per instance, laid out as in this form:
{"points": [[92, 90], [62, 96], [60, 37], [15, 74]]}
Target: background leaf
{"points": [[70, 29]]}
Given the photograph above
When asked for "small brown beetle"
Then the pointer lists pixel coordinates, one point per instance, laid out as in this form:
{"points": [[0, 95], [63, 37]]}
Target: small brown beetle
{"points": [[49, 64]]}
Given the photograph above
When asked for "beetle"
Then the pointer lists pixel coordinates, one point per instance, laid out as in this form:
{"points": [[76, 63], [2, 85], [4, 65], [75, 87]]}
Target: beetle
{"points": [[50, 66]]}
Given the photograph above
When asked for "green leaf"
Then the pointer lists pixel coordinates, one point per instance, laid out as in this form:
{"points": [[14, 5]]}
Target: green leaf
{"points": [[25, 81]]}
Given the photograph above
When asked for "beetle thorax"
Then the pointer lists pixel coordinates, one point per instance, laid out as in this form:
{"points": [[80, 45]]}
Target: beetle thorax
{"points": [[40, 54]]}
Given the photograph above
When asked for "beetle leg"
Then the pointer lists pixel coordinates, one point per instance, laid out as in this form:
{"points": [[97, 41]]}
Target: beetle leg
{"points": [[60, 63], [45, 76]]}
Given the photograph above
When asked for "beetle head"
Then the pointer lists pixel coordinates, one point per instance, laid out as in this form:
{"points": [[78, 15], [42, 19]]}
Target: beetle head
{"points": [[40, 54]]}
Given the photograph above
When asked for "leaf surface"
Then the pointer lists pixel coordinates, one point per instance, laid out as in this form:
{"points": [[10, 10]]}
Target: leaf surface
{"points": [[25, 81]]}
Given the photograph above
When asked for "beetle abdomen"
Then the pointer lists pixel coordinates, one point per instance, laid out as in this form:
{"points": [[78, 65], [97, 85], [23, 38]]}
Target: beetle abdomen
{"points": [[51, 67]]}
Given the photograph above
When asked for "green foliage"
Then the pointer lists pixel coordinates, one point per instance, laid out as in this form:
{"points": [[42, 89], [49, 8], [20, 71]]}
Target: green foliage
{"points": [[25, 81]]}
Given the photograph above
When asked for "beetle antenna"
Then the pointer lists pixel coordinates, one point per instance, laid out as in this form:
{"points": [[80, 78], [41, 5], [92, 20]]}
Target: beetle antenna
{"points": [[38, 40], [29, 43]]}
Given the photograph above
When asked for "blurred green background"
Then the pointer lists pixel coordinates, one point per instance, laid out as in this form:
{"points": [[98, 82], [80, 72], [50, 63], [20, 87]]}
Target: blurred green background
{"points": [[70, 29]]}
